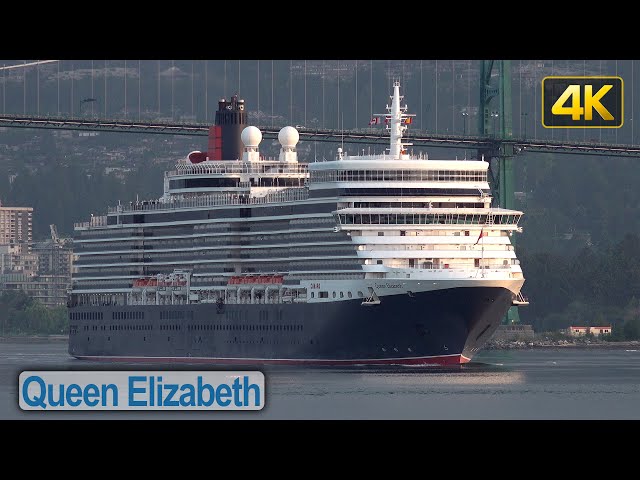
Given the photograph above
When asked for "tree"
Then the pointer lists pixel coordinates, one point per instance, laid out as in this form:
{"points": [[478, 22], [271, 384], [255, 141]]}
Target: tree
{"points": [[631, 329], [22, 315]]}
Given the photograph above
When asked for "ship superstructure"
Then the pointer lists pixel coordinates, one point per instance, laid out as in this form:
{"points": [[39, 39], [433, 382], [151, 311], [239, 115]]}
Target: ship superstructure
{"points": [[383, 258]]}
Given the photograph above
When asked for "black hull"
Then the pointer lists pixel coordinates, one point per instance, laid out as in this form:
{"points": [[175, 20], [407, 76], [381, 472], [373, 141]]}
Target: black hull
{"points": [[437, 327]]}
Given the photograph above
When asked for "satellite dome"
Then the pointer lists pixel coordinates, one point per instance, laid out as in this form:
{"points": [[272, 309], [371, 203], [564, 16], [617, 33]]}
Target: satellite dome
{"points": [[288, 137], [251, 136]]}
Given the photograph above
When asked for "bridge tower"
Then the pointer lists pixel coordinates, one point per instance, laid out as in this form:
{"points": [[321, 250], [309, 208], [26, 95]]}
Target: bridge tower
{"points": [[495, 120]]}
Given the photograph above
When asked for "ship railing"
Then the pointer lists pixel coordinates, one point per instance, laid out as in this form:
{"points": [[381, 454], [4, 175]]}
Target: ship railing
{"points": [[96, 221], [99, 221], [287, 195], [443, 267], [265, 167]]}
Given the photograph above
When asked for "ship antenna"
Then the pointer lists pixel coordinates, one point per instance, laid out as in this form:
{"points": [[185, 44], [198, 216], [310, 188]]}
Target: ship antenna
{"points": [[398, 119], [342, 132]]}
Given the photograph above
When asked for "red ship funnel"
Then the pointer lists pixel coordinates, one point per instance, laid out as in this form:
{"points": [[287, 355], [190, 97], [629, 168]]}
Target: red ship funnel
{"points": [[225, 142]]}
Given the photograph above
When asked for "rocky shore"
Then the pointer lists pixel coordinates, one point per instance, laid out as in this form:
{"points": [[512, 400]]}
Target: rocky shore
{"points": [[559, 343]]}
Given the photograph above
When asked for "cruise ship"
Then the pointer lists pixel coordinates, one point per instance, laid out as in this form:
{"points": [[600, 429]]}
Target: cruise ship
{"points": [[389, 258]]}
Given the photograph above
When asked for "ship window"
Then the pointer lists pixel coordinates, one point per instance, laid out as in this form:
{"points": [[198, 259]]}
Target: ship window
{"points": [[381, 234], [341, 294], [313, 295], [360, 294], [334, 295], [323, 295], [349, 294]]}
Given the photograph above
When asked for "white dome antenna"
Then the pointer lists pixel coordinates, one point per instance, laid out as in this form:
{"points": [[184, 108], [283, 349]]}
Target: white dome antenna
{"points": [[288, 138], [251, 137]]}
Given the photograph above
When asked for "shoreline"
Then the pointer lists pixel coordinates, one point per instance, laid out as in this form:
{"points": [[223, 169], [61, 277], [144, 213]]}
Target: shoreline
{"points": [[549, 344], [34, 338], [491, 345]]}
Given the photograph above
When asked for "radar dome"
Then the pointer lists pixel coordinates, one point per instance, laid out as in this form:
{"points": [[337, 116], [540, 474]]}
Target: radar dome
{"points": [[251, 136], [288, 137]]}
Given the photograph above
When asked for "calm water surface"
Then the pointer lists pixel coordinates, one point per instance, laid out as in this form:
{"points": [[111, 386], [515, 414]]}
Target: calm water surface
{"points": [[517, 384]]}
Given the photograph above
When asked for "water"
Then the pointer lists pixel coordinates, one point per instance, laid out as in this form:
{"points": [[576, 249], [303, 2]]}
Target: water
{"points": [[519, 384]]}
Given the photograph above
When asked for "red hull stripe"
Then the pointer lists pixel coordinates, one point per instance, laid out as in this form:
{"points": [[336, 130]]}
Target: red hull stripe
{"points": [[455, 359]]}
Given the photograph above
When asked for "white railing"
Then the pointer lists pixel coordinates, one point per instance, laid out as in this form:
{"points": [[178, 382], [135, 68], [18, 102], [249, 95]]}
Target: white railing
{"points": [[99, 221], [239, 167], [287, 195], [452, 267]]}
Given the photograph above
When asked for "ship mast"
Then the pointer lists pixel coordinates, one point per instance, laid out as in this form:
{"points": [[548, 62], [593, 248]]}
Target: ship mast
{"points": [[396, 120]]}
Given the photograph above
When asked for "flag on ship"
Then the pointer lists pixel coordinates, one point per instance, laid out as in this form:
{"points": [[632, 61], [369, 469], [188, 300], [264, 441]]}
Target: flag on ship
{"points": [[482, 234]]}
